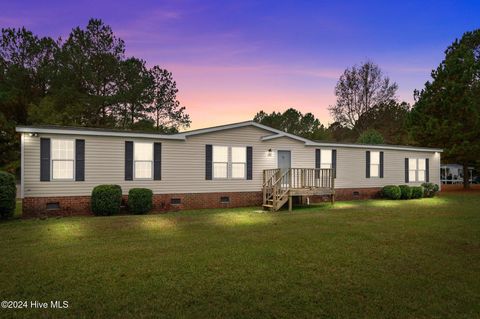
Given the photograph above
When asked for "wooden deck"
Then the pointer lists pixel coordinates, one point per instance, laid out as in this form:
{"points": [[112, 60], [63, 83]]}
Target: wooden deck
{"points": [[280, 186]]}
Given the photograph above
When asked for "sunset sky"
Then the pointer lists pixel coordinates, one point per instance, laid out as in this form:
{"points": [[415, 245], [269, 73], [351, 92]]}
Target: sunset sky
{"points": [[233, 58]]}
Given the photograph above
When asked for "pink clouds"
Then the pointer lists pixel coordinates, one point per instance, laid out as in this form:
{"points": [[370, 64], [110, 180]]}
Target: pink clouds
{"points": [[215, 94]]}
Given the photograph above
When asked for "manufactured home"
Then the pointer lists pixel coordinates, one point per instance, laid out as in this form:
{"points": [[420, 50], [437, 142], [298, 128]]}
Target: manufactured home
{"points": [[241, 164]]}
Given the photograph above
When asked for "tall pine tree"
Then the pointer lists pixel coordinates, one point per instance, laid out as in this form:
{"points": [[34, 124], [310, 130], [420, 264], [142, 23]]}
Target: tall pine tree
{"points": [[447, 111]]}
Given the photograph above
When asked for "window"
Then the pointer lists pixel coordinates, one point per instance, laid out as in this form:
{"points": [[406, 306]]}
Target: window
{"points": [[416, 169], [374, 164], [143, 160], [326, 158], [239, 162], [421, 170], [62, 159], [412, 169], [220, 161], [229, 162]]}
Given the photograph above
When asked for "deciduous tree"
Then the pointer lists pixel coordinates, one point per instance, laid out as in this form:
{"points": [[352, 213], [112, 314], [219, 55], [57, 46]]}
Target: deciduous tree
{"points": [[358, 90]]}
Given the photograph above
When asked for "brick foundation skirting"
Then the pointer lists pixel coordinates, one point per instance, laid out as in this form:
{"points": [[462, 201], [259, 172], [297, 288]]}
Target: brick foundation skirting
{"points": [[80, 205], [343, 194]]}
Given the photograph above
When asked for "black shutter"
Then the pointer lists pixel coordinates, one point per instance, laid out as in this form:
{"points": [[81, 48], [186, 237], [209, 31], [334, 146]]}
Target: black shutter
{"points": [[128, 160], [79, 160], [249, 162], [44, 159], [367, 166], [157, 161], [334, 163], [427, 171], [208, 161], [406, 170], [381, 164], [317, 162]]}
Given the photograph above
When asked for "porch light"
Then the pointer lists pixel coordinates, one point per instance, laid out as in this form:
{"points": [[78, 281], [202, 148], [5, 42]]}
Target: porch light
{"points": [[270, 153], [33, 134]]}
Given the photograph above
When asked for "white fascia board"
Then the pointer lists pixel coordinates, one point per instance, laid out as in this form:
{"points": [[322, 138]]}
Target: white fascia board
{"points": [[226, 127], [63, 131], [363, 146], [380, 147]]}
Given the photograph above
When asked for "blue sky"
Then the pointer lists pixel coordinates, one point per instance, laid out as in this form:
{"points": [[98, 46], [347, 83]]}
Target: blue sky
{"points": [[233, 58]]}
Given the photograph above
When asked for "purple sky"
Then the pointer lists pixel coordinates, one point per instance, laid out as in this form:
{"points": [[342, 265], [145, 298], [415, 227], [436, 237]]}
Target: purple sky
{"points": [[231, 59]]}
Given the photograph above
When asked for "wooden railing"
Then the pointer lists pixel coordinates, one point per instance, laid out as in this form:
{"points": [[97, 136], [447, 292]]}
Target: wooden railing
{"points": [[277, 183], [269, 178], [300, 177]]}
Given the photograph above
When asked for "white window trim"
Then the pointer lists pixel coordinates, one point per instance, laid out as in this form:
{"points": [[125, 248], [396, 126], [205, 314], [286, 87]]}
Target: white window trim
{"points": [[417, 170], [232, 162], [213, 162], [143, 161], [322, 157], [377, 165], [229, 163], [421, 170], [60, 160]]}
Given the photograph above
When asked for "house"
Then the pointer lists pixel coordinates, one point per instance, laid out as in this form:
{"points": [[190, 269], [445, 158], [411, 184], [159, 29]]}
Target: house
{"points": [[453, 174], [233, 165]]}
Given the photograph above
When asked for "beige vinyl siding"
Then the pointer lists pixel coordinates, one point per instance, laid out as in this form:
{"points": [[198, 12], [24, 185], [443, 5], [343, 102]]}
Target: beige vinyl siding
{"points": [[183, 164], [351, 168]]}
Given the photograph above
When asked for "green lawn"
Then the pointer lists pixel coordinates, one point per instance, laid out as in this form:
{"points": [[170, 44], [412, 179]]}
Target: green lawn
{"points": [[363, 259]]}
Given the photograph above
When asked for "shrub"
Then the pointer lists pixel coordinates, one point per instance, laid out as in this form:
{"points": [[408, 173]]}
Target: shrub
{"points": [[106, 199], [406, 191], [8, 194], [391, 192], [417, 192], [430, 189], [140, 200]]}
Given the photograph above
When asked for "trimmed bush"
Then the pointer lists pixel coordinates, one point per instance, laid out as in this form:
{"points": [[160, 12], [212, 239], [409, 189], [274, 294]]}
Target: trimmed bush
{"points": [[406, 191], [391, 192], [8, 194], [106, 199], [140, 200], [430, 189], [417, 191]]}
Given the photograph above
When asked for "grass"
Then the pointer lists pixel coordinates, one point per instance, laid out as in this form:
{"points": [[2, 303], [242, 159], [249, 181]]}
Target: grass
{"points": [[362, 259]]}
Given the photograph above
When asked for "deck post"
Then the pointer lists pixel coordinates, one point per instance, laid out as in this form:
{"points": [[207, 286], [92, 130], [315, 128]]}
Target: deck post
{"points": [[290, 203], [290, 177], [333, 189]]}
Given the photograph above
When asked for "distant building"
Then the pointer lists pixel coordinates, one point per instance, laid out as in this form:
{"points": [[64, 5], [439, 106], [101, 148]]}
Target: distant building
{"points": [[453, 174]]}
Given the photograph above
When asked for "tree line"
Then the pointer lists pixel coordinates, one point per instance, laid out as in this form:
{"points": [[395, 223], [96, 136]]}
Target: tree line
{"points": [[84, 80], [87, 80], [446, 112]]}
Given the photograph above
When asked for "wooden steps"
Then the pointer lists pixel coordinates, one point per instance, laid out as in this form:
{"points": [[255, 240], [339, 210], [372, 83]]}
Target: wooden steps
{"points": [[280, 186]]}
